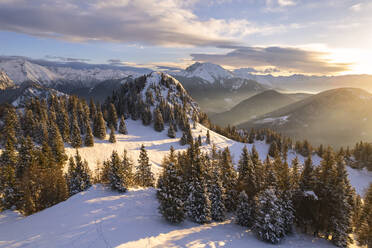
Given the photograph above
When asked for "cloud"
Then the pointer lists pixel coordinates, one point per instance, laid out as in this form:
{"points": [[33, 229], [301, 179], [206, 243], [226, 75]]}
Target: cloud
{"points": [[288, 59], [149, 22], [278, 5], [66, 59]]}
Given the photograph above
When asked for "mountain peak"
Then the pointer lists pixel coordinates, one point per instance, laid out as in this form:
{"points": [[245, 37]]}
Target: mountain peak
{"points": [[207, 71]]}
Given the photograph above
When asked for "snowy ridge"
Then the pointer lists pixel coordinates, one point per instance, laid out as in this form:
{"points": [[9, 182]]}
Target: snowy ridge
{"points": [[21, 70]]}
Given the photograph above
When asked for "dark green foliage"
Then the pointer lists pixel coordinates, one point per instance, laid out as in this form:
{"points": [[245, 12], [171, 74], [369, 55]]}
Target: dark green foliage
{"points": [[112, 118], [208, 140], [89, 139], [171, 131], [364, 231], [99, 127], [158, 120], [268, 225], [79, 175], [75, 138], [245, 210], [229, 179], [116, 173], [112, 138], [183, 140], [122, 126], [144, 176], [170, 190], [217, 196]]}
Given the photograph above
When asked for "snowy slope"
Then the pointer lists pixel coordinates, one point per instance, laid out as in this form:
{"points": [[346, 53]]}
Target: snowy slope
{"points": [[158, 145], [102, 218]]}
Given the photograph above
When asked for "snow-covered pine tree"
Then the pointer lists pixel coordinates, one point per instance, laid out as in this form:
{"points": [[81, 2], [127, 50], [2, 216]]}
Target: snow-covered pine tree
{"points": [[268, 224], [342, 197], [170, 190], [75, 137], [364, 231], [171, 131], [112, 138], [273, 150], [229, 179], [116, 174], [99, 127], [158, 120], [8, 186], [79, 175], [25, 154], [217, 196], [128, 173], [89, 140], [183, 140], [247, 179], [56, 143], [245, 210], [144, 176], [112, 118], [146, 116], [122, 126]]}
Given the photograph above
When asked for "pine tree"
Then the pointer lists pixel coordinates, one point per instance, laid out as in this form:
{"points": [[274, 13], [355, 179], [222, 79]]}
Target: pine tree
{"points": [[127, 165], [342, 209], [170, 191], [25, 154], [146, 116], [229, 179], [171, 131], [8, 186], [158, 120], [112, 138], [268, 225], [75, 138], [89, 140], [122, 126], [56, 143], [144, 176], [364, 232], [247, 179], [217, 197], [273, 150], [116, 174], [79, 175], [208, 140], [183, 140], [112, 118], [245, 210], [198, 203], [99, 127]]}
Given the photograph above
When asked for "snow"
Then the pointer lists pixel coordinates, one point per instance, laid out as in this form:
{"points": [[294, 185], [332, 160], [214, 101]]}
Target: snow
{"points": [[311, 193], [278, 120], [207, 71], [158, 144], [100, 217], [21, 70]]}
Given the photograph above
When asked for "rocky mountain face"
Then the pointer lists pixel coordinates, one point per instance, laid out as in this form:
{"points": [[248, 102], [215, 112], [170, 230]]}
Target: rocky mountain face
{"points": [[5, 81]]}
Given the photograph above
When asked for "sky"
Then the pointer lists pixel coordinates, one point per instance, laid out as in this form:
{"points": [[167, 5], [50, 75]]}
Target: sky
{"points": [[283, 37]]}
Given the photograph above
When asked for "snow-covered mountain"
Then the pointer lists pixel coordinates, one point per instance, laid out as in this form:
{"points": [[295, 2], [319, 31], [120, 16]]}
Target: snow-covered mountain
{"points": [[206, 71], [20, 94], [21, 70], [5, 81], [50, 74]]}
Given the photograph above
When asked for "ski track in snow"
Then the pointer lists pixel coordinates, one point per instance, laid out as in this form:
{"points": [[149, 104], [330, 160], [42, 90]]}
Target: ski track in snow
{"points": [[100, 217]]}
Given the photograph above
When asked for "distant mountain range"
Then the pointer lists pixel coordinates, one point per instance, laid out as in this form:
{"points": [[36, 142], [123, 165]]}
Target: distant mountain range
{"points": [[255, 106], [337, 117]]}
